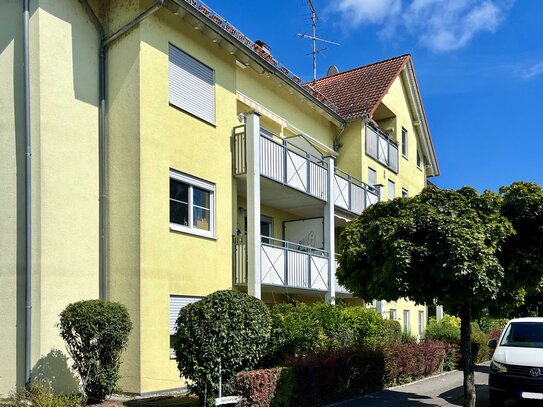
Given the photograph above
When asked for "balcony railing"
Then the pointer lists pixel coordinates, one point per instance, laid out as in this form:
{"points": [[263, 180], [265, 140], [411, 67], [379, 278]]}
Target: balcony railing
{"points": [[382, 148], [285, 163], [285, 264], [353, 194]]}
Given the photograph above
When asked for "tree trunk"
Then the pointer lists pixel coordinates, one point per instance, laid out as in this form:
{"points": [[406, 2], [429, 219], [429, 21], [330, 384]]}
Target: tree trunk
{"points": [[465, 349]]}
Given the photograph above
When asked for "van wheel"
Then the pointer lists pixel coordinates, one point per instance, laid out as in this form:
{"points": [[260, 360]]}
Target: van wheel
{"points": [[496, 399]]}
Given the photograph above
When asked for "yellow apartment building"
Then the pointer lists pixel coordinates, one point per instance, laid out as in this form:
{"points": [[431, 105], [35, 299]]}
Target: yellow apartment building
{"points": [[153, 154]]}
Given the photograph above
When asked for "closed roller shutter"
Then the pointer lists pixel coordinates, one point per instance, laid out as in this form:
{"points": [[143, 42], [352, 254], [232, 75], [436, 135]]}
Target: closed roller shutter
{"points": [[176, 303], [191, 85]]}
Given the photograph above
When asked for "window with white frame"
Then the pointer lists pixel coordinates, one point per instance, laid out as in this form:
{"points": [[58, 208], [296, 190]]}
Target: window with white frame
{"points": [[406, 322], [393, 314], [419, 161], [421, 323], [405, 193], [192, 204], [191, 85], [404, 142], [391, 190]]}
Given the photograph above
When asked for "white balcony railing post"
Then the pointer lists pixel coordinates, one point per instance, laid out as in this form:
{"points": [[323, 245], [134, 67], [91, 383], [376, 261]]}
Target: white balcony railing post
{"points": [[329, 237], [252, 137]]}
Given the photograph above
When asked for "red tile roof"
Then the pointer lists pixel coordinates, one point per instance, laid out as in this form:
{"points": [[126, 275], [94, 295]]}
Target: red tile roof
{"points": [[359, 91]]}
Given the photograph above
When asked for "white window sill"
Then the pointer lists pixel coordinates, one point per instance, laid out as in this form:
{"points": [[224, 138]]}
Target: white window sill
{"points": [[192, 231]]}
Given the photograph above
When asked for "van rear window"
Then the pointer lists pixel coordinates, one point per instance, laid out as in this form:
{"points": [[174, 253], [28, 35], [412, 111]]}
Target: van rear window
{"points": [[524, 334]]}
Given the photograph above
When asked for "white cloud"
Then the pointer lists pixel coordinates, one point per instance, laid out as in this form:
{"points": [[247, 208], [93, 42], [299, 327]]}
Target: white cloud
{"points": [[357, 12], [534, 70], [440, 25]]}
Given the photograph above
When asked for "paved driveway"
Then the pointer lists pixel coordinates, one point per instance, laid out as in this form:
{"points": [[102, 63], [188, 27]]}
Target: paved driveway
{"points": [[443, 390]]}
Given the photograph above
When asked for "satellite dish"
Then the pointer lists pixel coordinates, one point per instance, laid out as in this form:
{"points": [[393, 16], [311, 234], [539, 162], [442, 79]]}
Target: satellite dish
{"points": [[332, 70]]}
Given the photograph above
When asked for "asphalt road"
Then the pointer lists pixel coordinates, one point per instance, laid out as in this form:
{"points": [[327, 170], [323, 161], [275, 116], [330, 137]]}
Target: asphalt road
{"points": [[442, 390]]}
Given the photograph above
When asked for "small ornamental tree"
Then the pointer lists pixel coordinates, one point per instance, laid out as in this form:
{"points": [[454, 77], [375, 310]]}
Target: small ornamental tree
{"points": [[227, 330], [96, 333], [439, 245], [522, 253]]}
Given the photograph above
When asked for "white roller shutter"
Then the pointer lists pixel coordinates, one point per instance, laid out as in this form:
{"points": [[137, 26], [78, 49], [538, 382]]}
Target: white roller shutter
{"points": [[176, 303], [191, 85]]}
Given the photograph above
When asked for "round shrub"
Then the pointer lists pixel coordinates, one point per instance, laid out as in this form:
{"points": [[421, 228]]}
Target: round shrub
{"points": [[96, 333], [227, 328]]}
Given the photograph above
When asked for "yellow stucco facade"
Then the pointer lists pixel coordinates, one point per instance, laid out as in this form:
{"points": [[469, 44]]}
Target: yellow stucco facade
{"points": [[148, 261]]}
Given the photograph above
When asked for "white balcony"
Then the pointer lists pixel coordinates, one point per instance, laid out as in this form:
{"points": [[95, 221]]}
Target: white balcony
{"points": [[352, 194], [382, 148], [284, 264], [285, 163]]}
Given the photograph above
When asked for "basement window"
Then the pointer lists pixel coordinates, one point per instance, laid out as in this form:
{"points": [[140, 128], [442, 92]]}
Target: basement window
{"points": [[192, 204]]}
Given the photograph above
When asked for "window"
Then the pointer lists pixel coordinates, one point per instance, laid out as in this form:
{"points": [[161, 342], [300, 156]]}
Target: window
{"points": [[419, 161], [405, 193], [406, 322], [176, 303], [192, 204], [391, 190], [421, 323], [372, 176], [404, 142], [191, 85], [393, 314]]}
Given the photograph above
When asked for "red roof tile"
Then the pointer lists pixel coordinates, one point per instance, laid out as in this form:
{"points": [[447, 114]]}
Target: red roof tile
{"points": [[359, 91]]}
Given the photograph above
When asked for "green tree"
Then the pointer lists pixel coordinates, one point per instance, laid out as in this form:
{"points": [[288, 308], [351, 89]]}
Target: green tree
{"points": [[522, 254], [440, 245]]}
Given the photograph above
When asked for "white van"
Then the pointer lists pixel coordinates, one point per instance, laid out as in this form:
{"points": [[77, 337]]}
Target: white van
{"points": [[516, 369]]}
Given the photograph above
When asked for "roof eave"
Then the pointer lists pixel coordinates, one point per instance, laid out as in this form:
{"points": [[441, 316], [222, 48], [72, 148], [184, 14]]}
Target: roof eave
{"points": [[266, 66], [428, 144]]}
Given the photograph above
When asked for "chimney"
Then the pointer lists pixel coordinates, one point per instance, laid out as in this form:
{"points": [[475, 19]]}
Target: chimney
{"points": [[265, 47]]}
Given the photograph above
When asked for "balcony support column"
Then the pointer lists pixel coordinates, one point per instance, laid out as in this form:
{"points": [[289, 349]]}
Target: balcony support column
{"points": [[439, 312], [329, 232], [380, 307], [252, 137]]}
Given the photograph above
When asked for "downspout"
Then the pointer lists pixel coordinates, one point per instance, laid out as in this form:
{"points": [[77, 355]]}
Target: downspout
{"points": [[28, 195], [105, 42]]}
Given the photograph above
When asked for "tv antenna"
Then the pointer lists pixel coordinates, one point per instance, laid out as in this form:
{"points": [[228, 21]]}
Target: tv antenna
{"points": [[314, 37]]}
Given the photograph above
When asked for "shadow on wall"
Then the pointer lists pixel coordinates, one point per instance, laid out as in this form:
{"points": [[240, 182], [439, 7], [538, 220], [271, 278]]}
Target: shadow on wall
{"points": [[53, 368]]}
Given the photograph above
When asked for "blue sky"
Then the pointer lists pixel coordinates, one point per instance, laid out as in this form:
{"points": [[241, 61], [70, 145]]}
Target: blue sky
{"points": [[479, 64]]}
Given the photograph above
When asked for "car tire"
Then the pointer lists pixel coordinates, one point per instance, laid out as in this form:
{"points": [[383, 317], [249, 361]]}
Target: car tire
{"points": [[495, 398]]}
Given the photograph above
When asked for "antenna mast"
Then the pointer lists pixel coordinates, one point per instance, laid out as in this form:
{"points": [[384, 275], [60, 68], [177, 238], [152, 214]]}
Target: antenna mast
{"points": [[314, 37]]}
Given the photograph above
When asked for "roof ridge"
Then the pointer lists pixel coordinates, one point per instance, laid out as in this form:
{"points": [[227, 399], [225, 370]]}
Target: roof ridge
{"points": [[360, 67]]}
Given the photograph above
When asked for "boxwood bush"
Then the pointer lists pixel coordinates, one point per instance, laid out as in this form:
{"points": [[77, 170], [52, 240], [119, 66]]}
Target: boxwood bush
{"points": [[227, 328], [96, 333]]}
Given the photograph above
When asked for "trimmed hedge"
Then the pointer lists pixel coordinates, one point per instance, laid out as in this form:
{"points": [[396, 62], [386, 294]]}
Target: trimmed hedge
{"points": [[96, 333], [265, 387], [405, 362], [329, 376], [332, 375], [298, 330], [226, 328]]}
